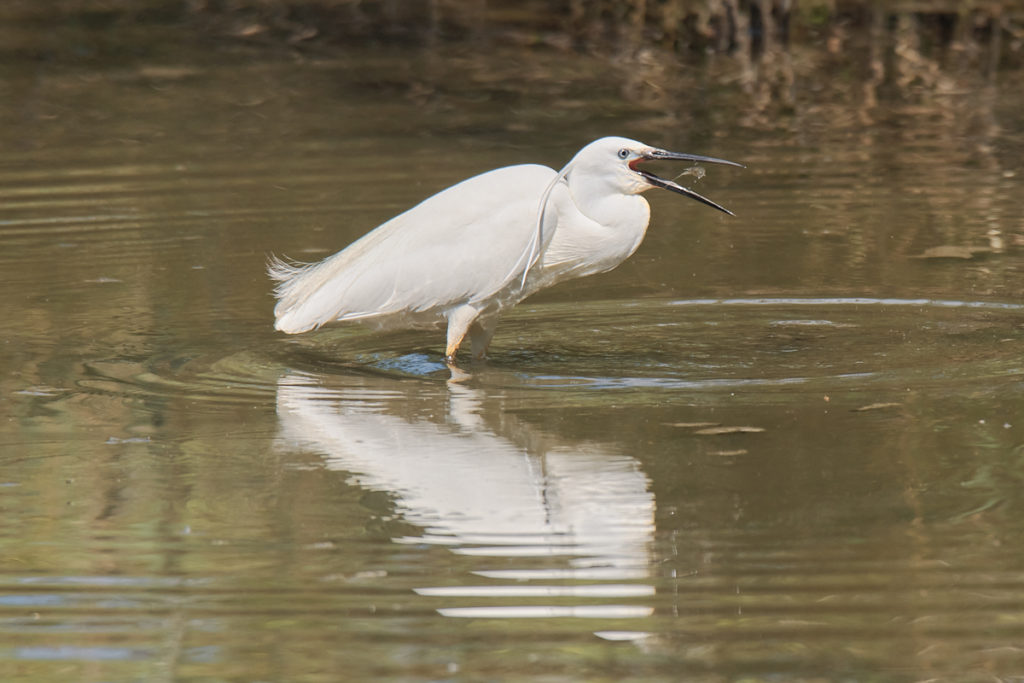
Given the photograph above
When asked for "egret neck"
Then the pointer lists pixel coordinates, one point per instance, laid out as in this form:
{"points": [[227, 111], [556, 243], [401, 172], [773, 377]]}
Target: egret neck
{"points": [[602, 219]]}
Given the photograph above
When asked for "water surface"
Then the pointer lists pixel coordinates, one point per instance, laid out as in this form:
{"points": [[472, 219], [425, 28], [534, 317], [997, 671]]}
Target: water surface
{"points": [[783, 446]]}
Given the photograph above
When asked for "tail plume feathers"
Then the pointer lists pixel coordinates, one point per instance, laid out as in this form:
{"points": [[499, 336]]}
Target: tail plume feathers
{"points": [[291, 280], [283, 269]]}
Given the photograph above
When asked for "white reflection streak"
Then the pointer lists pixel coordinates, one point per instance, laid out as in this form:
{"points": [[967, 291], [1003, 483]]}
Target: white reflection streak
{"points": [[483, 495], [549, 612]]}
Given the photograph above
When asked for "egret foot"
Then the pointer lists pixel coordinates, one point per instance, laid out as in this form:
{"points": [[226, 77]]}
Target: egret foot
{"points": [[459, 322]]}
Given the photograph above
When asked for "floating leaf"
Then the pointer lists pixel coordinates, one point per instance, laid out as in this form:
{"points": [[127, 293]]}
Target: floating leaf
{"points": [[952, 251], [876, 406], [716, 431], [691, 425], [168, 73]]}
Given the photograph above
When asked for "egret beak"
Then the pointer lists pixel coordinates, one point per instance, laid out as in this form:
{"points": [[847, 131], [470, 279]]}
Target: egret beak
{"points": [[661, 154]]}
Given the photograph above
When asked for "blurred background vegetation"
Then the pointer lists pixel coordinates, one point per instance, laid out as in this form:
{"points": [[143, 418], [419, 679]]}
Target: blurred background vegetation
{"points": [[789, 64], [780, 54], [984, 33]]}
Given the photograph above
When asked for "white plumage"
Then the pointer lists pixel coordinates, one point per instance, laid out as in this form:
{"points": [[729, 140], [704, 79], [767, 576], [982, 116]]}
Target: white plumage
{"points": [[482, 245]]}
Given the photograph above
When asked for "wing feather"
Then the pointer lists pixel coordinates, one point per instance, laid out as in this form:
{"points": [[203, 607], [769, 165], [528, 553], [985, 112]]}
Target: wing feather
{"points": [[463, 245]]}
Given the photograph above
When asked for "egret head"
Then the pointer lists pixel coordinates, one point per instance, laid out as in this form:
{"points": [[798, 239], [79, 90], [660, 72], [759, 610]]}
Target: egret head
{"points": [[618, 161]]}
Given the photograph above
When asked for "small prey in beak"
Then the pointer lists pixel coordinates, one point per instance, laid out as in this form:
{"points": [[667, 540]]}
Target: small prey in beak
{"points": [[661, 154]]}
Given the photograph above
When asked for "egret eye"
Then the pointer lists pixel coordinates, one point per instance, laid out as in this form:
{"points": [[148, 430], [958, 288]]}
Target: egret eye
{"points": [[623, 153]]}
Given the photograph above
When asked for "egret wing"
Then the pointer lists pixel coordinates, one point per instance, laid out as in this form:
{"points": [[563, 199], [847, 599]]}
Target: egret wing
{"points": [[465, 244]]}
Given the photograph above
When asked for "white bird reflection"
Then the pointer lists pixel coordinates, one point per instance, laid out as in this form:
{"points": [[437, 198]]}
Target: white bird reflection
{"points": [[573, 513]]}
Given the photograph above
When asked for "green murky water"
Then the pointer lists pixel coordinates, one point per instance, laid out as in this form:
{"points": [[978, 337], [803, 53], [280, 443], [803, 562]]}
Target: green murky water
{"points": [[783, 446]]}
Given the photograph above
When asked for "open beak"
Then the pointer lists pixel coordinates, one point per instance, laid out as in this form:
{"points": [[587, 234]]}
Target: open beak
{"points": [[661, 154]]}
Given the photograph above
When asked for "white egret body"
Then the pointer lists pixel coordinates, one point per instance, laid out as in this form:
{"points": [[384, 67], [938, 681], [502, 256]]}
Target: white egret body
{"points": [[463, 255]]}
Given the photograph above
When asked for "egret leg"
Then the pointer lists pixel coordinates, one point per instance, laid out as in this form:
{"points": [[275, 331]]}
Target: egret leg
{"points": [[480, 334], [459, 321]]}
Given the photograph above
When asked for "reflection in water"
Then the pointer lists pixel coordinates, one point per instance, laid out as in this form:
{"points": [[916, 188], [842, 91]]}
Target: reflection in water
{"points": [[560, 513]]}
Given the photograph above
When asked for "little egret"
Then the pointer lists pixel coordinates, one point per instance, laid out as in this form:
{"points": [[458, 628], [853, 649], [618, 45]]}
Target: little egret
{"points": [[483, 245]]}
